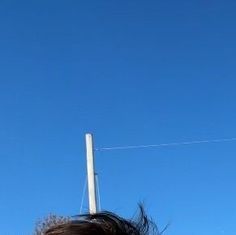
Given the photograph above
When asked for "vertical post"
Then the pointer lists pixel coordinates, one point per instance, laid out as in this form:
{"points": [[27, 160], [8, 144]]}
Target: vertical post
{"points": [[91, 174]]}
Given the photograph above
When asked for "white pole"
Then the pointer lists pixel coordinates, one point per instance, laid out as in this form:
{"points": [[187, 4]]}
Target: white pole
{"points": [[91, 174]]}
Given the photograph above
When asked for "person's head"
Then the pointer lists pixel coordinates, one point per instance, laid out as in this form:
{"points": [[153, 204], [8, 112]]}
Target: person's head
{"points": [[104, 223]]}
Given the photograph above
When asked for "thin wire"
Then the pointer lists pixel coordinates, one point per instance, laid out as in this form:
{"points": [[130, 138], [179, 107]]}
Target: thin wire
{"points": [[166, 144], [98, 191], [83, 194]]}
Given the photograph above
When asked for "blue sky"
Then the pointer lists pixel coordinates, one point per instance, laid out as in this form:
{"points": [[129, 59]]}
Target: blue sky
{"points": [[131, 73]]}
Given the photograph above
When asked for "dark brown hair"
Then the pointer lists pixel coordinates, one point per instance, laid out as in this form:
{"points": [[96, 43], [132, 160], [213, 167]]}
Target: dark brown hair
{"points": [[105, 223]]}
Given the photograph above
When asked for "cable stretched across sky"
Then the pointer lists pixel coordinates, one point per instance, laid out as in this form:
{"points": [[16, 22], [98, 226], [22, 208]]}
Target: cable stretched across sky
{"points": [[166, 144]]}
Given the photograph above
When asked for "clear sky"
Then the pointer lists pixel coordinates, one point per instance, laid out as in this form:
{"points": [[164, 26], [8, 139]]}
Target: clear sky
{"points": [[132, 73]]}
